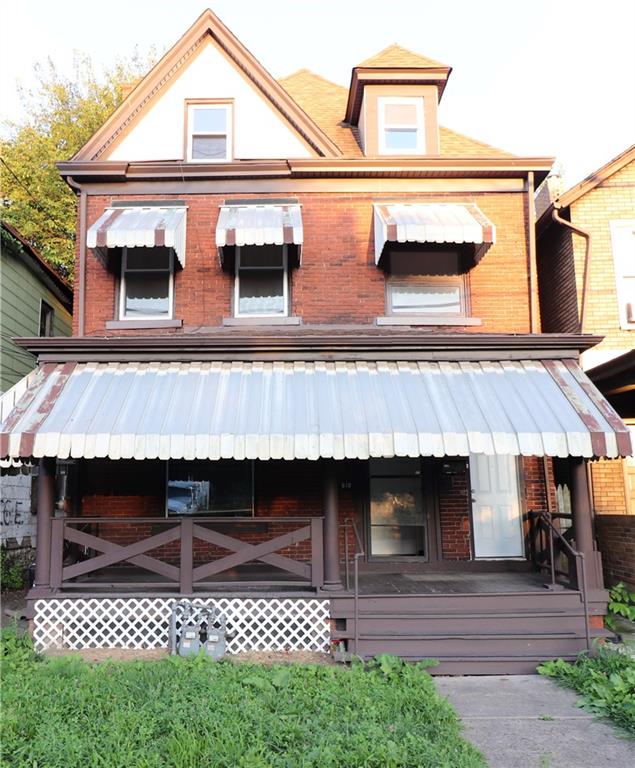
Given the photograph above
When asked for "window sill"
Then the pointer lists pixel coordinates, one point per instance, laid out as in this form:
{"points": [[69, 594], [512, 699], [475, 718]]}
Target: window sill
{"points": [[120, 325], [426, 320], [246, 321]]}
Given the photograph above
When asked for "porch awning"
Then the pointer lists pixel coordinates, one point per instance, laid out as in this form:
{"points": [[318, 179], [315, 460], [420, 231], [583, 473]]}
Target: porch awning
{"points": [[250, 223], [432, 223], [140, 227], [298, 410]]}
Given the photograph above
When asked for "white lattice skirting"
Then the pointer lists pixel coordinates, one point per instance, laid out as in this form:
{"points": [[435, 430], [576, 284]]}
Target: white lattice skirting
{"points": [[258, 624]]}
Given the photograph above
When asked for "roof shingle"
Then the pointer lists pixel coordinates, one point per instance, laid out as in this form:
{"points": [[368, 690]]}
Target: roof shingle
{"points": [[397, 56]]}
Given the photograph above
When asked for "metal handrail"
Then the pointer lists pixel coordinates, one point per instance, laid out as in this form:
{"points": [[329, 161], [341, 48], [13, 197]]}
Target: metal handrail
{"points": [[349, 522], [545, 519]]}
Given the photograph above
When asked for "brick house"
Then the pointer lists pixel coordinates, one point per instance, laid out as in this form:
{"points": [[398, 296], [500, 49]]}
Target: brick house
{"points": [[307, 381], [586, 267]]}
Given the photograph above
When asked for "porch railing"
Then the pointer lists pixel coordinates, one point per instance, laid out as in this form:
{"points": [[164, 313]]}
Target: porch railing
{"points": [[557, 543], [349, 524], [187, 566]]}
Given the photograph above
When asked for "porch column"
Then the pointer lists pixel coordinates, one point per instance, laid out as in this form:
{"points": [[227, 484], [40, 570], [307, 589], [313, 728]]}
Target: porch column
{"points": [[45, 504], [332, 577], [582, 511]]}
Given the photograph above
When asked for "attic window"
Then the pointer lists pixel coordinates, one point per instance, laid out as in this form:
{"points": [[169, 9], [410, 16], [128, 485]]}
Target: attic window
{"points": [[401, 128], [209, 132]]}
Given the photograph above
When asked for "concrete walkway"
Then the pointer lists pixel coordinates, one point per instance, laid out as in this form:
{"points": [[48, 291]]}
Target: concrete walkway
{"points": [[527, 721]]}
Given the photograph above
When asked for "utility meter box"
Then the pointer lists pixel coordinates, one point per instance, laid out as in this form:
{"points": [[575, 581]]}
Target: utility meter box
{"points": [[195, 627]]}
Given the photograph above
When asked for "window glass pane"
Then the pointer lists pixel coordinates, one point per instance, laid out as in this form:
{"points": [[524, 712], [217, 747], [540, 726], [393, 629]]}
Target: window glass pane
{"points": [[209, 147], [147, 294], [203, 488], [261, 256], [46, 319], [400, 114], [148, 258], [261, 292], [401, 138], [210, 120], [397, 466], [396, 501], [435, 299]]}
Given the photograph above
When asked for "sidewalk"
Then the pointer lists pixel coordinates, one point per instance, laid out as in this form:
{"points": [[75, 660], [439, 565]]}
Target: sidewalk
{"points": [[527, 721]]}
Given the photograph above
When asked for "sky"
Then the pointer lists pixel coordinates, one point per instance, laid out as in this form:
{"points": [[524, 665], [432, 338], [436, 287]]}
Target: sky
{"points": [[552, 78]]}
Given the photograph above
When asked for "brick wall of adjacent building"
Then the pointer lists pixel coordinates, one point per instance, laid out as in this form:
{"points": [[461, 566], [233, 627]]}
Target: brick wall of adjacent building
{"points": [[616, 540], [556, 281], [338, 281], [612, 200], [609, 494]]}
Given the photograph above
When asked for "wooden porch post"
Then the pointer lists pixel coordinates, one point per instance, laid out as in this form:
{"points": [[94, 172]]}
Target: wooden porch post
{"points": [[582, 522], [332, 576], [45, 504]]}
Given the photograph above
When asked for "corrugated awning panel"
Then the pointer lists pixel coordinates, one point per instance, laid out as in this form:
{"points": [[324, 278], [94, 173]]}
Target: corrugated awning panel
{"points": [[140, 227], [432, 223], [256, 224], [300, 410]]}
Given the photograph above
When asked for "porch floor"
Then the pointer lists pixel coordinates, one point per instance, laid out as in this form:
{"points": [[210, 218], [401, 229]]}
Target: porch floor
{"points": [[263, 578]]}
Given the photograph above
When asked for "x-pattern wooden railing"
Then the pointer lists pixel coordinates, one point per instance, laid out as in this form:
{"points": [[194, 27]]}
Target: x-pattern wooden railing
{"points": [[186, 531]]}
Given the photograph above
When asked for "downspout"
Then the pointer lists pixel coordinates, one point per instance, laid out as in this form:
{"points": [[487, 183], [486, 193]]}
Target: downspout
{"points": [[587, 259], [81, 320], [531, 228]]}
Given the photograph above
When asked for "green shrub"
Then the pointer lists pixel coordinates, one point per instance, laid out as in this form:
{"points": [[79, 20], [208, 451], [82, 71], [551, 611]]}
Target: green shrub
{"points": [[606, 682], [12, 570], [621, 603]]}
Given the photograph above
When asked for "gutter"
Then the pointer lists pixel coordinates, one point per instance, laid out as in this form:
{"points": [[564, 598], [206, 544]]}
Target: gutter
{"points": [[587, 259]]}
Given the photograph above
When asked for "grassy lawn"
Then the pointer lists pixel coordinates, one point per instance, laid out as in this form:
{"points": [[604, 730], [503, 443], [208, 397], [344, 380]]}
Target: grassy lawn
{"points": [[64, 712], [606, 682]]}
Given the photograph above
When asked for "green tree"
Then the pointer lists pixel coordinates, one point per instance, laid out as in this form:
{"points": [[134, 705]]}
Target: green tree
{"points": [[61, 114]]}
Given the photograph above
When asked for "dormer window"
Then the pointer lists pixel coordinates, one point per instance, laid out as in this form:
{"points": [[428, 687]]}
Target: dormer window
{"points": [[401, 127], [209, 132]]}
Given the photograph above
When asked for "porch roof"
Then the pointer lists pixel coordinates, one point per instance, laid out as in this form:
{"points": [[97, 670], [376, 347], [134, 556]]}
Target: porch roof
{"points": [[311, 410]]}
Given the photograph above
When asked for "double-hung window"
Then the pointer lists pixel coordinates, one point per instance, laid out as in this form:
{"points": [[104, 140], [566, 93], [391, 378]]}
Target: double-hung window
{"points": [[623, 245], [147, 284], [262, 281], [209, 131], [427, 283], [400, 125]]}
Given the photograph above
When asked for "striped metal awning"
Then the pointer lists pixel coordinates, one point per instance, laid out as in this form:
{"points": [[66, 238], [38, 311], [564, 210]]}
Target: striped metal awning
{"points": [[299, 410], [248, 223], [140, 227], [432, 223]]}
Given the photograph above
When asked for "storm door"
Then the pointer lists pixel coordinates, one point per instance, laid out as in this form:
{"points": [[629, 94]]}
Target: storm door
{"points": [[496, 508], [397, 526]]}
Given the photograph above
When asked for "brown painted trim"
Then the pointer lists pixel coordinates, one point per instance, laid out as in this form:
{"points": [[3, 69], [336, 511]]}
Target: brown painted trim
{"points": [[207, 24], [362, 76], [534, 309], [597, 177], [384, 167], [311, 343]]}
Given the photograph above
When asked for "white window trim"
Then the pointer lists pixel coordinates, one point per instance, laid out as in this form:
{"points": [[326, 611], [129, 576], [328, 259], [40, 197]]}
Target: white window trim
{"points": [[285, 286], [382, 126], [122, 291], [428, 280], [227, 106], [622, 241]]}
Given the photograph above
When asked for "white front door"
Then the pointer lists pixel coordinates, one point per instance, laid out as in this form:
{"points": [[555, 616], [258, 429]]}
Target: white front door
{"points": [[496, 512]]}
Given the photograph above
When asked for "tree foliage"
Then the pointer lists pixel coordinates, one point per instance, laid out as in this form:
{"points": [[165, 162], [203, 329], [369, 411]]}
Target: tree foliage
{"points": [[61, 114]]}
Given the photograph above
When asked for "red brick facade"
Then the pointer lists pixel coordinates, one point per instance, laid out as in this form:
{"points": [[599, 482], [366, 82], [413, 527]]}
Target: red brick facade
{"points": [[338, 281]]}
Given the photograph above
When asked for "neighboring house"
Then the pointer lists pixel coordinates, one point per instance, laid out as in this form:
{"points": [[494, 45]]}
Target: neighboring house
{"points": [[586, 265], [307, 381], [34, 301]]}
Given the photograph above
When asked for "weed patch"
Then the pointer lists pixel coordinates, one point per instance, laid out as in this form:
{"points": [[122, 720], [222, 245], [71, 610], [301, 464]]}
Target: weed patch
{"points": [[606, 682], [66, 713]]}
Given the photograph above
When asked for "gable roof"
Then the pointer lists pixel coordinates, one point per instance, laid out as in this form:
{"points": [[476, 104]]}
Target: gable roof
{"points": [[597, 177], [396, 56], [208, 25], [326, 102], [32, 259]]}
